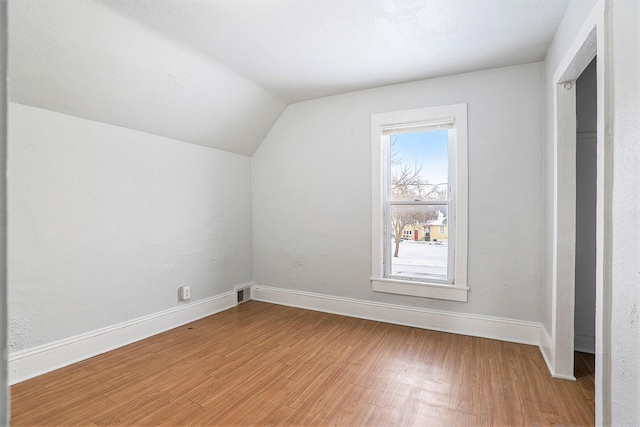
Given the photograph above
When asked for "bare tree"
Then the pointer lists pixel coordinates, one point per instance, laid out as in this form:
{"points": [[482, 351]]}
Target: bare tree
{"points": [[399, 220], [409, 184]]}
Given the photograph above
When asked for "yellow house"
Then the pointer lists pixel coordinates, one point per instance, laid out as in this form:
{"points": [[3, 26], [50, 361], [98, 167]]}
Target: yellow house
{"points": [[439, 233], [413, 232], [438, 228], [435, 230]]}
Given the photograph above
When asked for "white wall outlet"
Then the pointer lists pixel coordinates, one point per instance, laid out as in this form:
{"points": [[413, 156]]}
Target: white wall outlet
{"points": [[184, 293]]}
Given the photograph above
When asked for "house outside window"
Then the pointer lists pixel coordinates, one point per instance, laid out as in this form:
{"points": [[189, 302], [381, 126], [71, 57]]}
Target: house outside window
{"points": [[419, 165]]}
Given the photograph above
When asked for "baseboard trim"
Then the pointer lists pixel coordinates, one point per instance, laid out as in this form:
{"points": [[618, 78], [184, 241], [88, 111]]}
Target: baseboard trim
{"points": [[30, 363], [548, 354], [546, 349], [517, 331]]}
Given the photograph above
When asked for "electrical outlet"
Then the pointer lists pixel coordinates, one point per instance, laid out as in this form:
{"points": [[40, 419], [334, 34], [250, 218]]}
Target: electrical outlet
{"points": [[184, 293]]}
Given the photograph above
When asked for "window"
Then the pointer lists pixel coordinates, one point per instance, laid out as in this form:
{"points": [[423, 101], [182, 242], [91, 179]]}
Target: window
{"points": [[420, 202]]}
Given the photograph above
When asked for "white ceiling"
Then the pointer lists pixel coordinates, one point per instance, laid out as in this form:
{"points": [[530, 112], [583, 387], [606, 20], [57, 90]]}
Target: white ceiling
{"points": [[219, 72]]}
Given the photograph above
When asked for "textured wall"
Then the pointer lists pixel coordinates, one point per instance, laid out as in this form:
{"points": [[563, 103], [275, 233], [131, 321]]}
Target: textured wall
{"points": [[4, 395], [625, 280], [617, 399], [311, 198], [105, 224], [78, 57], [574, 17]]}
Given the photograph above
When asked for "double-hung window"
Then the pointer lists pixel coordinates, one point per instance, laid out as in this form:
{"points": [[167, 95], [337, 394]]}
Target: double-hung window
{"points": [[419, 167]]}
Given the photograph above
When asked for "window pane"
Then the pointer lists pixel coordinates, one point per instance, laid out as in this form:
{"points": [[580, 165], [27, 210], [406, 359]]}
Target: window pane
{"points": [[418, 242], [419, 165]]}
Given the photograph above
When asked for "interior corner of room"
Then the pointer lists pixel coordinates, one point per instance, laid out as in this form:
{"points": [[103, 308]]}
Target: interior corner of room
{"points": [[154, 179]]}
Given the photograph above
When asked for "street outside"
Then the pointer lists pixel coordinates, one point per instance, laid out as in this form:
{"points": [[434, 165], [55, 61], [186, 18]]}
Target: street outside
{"points": [[421, 260]]}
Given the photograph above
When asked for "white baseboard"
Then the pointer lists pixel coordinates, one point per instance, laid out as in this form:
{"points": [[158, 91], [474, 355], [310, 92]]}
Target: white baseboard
{"points": [[547, 350], [29, 363], [517, 331], [548, 354]]}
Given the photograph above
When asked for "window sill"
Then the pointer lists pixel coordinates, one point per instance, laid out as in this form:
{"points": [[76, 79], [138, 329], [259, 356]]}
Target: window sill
{"points": [[425, 290]]}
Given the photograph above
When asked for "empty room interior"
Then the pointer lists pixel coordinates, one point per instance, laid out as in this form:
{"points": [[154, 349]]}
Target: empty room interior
{"points": [[287, 212]]}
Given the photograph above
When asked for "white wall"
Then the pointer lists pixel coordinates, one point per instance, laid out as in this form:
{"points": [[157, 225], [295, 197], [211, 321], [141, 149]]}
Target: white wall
{"points": [[586, 167], [618, 321], [311, 197], [85, 59], [105, 223], [625, 280], [574, 17], [4, 392]]}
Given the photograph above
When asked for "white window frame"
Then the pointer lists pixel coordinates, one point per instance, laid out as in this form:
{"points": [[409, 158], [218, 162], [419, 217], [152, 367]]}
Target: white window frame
{"points": [[458, 180]]}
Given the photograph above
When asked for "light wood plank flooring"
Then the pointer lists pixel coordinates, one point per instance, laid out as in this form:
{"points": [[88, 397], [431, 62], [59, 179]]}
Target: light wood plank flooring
{"points": [[263, 364]]}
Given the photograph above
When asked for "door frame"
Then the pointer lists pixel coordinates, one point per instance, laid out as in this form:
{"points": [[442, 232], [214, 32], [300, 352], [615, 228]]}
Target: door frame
{"points": [[592, 39]]}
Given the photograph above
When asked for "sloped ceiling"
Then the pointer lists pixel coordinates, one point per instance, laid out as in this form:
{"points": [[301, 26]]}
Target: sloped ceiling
{"points": [[219, 72]]}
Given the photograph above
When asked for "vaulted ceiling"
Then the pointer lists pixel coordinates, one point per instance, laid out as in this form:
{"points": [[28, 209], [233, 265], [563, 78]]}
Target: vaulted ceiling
{"points": [[219, 72]]}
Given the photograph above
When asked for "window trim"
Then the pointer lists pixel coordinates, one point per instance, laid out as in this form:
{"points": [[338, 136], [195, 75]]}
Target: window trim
{"points": [[381, 121]]}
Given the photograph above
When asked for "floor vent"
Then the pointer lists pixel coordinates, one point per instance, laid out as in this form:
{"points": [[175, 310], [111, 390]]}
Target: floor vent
{"points": [[243, 295]]}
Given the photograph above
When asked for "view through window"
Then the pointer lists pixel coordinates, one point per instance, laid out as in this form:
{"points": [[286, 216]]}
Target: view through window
{"points": [[418, 205], [419, 198]]}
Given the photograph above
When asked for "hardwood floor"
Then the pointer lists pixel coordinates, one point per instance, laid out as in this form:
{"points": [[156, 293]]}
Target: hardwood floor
{"points": [[263, 364]]}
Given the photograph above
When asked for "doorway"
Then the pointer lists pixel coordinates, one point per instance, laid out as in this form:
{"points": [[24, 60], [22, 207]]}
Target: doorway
{"points": [[586, 199], [560, 354]]}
